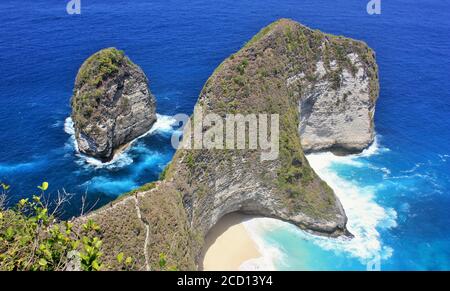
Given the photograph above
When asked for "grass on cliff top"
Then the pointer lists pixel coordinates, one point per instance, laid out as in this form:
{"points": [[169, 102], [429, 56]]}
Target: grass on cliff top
{"points": [[100, 66], [162, 213], [335, 48], [263, 32], [88, 84]]}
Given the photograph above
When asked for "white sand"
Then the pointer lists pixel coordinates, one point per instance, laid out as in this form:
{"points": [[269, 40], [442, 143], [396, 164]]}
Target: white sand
{"points": [[228, 245]]}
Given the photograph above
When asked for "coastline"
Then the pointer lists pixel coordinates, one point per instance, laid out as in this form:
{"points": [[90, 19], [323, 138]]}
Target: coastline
{"points": [[228, 245], [225, 240]]}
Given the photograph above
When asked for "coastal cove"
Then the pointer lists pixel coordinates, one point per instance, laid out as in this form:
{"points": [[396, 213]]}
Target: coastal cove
{"points": [[394, 193], [276, 240]]}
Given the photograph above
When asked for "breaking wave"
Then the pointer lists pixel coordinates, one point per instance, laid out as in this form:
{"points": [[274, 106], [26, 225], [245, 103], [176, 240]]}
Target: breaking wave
{"points": [[164, 125], [365, 217]]}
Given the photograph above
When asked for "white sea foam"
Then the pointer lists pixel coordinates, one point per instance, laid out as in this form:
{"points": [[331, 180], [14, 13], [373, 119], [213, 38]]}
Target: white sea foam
{"points": [[444, 157], [373, 149], [413, 169], [163, 124], [68, 126], [365, 216], [269, 254]]}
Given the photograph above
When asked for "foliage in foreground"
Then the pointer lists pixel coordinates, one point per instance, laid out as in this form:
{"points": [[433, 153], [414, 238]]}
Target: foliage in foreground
{"points": [[32, 239]]}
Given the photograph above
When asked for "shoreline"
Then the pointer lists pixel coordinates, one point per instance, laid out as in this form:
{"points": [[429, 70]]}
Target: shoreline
{"points": [[228, 245]]}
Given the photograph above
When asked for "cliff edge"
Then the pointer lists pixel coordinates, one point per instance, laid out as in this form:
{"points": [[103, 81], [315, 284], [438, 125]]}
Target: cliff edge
{"points": [[286, 69]]}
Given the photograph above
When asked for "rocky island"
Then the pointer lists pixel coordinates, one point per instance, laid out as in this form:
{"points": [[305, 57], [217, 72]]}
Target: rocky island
{"points": [[324, 89], [111, 104]]}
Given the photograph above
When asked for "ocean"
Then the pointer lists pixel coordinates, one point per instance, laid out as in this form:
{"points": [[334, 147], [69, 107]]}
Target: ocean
{"points": [[396, 193]]}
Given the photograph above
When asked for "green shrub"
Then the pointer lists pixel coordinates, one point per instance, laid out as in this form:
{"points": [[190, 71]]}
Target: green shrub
{"points": [[144, 188], [190, 160], [33, 239], [163, 264]]}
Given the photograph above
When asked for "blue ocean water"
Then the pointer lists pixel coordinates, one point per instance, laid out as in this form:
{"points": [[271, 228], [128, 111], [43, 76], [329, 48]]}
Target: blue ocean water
{"points": [[396, 196]]}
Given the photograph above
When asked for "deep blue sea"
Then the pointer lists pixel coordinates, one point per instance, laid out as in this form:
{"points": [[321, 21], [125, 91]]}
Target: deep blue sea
{"points": [[396, 194]]}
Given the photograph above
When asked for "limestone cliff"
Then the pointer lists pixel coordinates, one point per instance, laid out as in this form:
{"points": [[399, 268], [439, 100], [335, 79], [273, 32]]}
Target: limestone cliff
{"points": [[337, 100], [111, 104], [277, 72]]}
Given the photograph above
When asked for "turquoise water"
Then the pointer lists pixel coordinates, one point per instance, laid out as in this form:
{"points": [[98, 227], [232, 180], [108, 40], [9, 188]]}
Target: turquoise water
{"points": [[393, 213], [396, 195], [287, 248]]}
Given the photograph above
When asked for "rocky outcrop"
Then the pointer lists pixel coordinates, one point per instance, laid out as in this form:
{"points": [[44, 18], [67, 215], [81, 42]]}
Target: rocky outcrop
{"points": [[275, 73], [111, 105], [337, 107]]}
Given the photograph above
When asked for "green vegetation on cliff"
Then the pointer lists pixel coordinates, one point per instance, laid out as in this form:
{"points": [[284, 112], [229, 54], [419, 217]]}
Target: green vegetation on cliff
{"points": [[173, 215], [96, 70], [32, 238], [144, 224], [253, 80], [100, 66], [163, 224], [111, 104]]}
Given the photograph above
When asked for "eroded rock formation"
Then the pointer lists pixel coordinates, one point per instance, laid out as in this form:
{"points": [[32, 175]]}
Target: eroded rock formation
{"points": [[286, 69], [111, 105], [337, 104]]}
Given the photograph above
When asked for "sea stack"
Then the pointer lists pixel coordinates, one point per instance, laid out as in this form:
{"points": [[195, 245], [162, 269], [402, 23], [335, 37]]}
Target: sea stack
{"points": [[111, 104]]}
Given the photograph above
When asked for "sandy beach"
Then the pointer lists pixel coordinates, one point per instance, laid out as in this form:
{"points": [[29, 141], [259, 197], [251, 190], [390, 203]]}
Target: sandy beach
{"points": [[228, 245]]}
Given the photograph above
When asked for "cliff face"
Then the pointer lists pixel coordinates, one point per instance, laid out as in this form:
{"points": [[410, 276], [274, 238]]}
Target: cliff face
{"points": [[277, 72], [337, 101], [111, 105]]}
